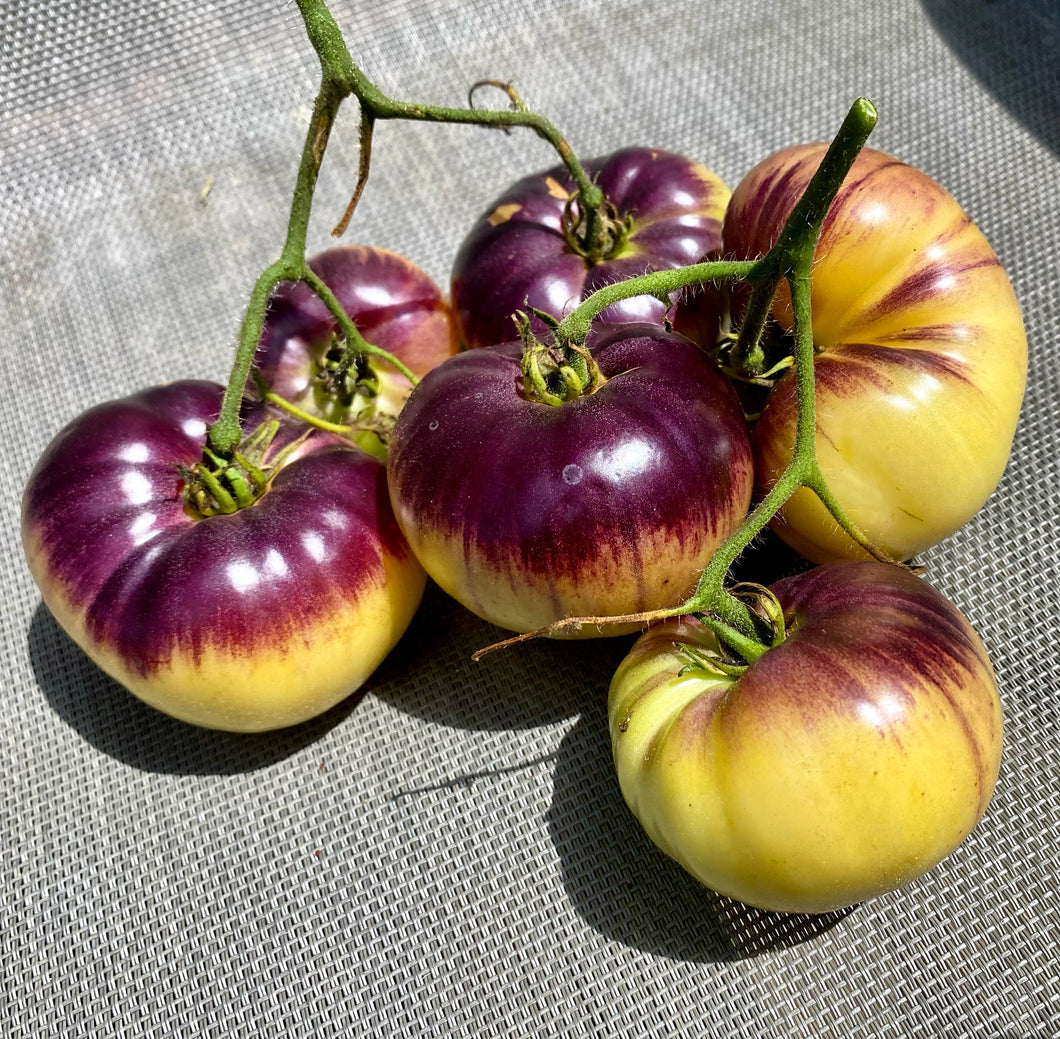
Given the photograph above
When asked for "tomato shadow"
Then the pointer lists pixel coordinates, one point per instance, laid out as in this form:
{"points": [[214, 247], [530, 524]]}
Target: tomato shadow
{"points": [[1012, 47], [628, 890], [430, 674], [115, 722]]}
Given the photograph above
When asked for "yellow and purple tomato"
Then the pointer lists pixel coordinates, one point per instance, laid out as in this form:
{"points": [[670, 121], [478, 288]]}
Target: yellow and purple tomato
{"points": [[395, 306], [517, 256], [608, 504], [250, 621], [842, 764], [921, 355]]}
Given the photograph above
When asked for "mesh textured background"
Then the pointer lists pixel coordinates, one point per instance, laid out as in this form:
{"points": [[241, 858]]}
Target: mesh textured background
{"points": [[447, 853]]}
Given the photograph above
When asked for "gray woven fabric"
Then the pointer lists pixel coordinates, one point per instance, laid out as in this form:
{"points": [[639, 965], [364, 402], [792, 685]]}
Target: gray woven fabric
{"points": [[447, 853]]}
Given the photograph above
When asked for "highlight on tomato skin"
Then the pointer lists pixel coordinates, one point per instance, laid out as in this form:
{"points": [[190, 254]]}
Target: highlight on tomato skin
{"points": [[251, 621], [395, 305], [610, 503], [842, 764], [517, 257], [921, 355]]}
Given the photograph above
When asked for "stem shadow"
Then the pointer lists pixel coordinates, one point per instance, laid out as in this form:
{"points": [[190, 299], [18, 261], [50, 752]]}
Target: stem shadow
{"points": [[628, 890], [115, 722]]}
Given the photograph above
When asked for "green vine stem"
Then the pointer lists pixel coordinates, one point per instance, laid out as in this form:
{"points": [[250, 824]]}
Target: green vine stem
{"points": [[791, 259], [336, 75], [375, 105], [792, 255], [340, 77], [575, 326]]}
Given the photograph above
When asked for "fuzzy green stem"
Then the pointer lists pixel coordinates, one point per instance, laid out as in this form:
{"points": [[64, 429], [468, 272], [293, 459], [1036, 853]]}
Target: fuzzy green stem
{"points": [[660, 284], [302, 415], [801, 231], [336, 66], [356, 344], [749, 647], [377, 105], [340, 77], [792, 256]]}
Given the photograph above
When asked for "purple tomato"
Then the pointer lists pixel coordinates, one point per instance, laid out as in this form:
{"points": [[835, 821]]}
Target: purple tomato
{"points": [[668, 214], [841, 764], [250, 621], [395, 306], [608, 504]]}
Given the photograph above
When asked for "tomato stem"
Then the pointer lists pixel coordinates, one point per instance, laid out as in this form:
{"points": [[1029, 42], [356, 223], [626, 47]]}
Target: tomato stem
{"points": [[574, 328], [791, 259], [377, 105], [792, 254], [750, 648], [340, 77]]}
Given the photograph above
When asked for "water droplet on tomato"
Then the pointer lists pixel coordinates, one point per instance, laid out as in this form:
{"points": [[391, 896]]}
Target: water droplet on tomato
{"points": [[572, 474]]}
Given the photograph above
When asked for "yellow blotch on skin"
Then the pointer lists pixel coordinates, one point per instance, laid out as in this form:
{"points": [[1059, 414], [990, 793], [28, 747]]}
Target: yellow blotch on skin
{"points": [[502, 214], [555, 189]]}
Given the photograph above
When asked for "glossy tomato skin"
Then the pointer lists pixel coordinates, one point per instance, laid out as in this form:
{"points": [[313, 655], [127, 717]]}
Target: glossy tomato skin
{"points": [[921, 360], [842, 764], [516, 254], [246, 622], [608, 504], [395, 306]]}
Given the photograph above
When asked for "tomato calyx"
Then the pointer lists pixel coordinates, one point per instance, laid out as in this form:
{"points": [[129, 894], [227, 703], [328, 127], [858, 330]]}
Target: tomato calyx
{"points": [[558, 371], [222, 486], [760, 363], [351, 397], [345, 387], [708, 662], [595, 233], [738, 649]]}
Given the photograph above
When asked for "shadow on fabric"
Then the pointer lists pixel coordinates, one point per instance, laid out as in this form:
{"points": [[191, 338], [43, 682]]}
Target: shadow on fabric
{"points": [[628, 890], [430, 673], [115, 722], [1013, 48]]}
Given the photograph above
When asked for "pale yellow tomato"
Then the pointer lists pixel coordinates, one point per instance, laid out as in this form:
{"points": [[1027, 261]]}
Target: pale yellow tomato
{"points": [[921, 355], [842, 764]]}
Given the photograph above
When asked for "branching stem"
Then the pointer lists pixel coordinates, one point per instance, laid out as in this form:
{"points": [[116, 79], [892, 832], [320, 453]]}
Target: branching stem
{"points": [[340, 77], [790, 259]]}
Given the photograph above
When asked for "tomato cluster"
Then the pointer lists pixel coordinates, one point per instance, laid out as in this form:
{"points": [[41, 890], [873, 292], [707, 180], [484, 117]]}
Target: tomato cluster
{"points": [[536, 480]]}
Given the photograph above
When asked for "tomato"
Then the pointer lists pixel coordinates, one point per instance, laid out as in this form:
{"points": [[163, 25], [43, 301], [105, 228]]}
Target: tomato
{"points": [[669, 212], [921, 355], [395, 306], [250, 621], [607, 504], [841, 764]]}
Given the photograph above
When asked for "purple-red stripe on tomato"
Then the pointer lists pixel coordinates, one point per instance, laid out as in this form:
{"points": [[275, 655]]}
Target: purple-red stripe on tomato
{"points": [[632, 486], [106, 513]]}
